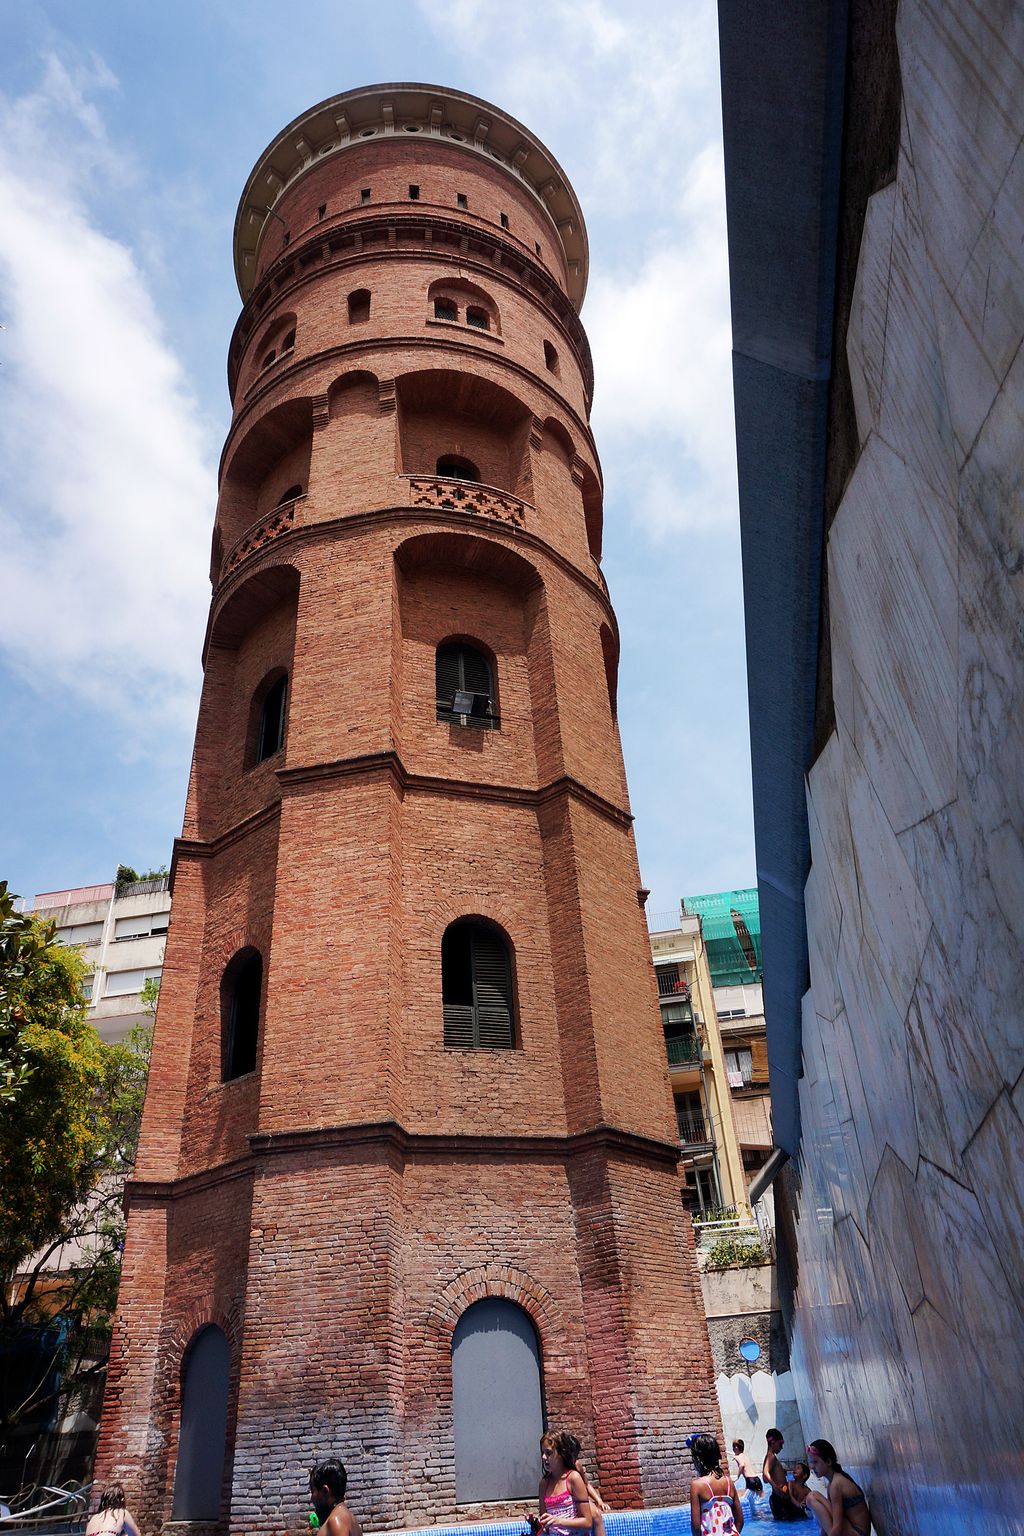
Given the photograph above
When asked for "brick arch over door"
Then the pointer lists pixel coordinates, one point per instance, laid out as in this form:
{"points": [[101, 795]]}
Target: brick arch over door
{"points": [[204, 1312], [506, 1281]]}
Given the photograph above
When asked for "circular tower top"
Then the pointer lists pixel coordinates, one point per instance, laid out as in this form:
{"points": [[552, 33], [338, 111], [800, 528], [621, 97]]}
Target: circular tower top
{"points": [[383, 111]]}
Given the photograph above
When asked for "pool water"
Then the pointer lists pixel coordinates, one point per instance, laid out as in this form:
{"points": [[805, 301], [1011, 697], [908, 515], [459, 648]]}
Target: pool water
{"points": [[673, 1520]]}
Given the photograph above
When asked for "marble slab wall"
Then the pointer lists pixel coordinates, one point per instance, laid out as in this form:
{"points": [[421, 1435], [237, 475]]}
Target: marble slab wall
{"points": [[908, 1192]]}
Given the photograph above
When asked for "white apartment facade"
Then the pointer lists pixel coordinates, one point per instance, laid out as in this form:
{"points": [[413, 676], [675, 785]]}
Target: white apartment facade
{"points": [[121, 932]]}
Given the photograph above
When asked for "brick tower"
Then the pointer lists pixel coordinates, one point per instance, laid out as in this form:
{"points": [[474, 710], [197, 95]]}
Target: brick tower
{"points": [[408, 1055]]}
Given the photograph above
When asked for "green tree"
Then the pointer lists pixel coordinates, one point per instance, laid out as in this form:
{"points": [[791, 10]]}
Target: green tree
{"points": [[69, 1125]]}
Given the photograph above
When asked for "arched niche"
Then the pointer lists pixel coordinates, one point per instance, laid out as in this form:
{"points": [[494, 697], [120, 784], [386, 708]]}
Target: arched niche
{"points": [[610, 653], [274, 341], [464, 297], [251, 602], [592, 511], [448, 412], [354, 394], [273, 455], [558, 441], [466, 552], [448, 584], [202, 1432], [497, 1428]]}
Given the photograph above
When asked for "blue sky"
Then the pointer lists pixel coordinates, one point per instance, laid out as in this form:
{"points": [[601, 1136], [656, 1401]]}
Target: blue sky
{"points": [[126, 135]]}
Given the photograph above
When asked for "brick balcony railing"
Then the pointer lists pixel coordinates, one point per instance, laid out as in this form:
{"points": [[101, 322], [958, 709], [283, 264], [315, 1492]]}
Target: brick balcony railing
{"points": [[262, 532], [465, 496]]}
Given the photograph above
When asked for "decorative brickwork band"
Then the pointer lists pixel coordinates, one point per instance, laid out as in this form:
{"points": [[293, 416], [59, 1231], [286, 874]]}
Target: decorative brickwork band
{"points": [[466, 496], [262, 533]]}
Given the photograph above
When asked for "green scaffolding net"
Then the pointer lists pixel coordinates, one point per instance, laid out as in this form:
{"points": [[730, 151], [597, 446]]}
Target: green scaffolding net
{"points": [[731, 923]]}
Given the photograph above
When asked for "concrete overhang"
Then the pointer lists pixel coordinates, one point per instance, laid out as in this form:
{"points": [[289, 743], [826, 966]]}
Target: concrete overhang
{"points": [[783, 73]]}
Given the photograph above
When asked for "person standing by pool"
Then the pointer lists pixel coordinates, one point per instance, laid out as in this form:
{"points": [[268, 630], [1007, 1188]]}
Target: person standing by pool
{"points": [[845, 1512], [715, 1508], [783, 1507], [750, 1478], [327, 1483], [112, 1516], [562, 1497]]}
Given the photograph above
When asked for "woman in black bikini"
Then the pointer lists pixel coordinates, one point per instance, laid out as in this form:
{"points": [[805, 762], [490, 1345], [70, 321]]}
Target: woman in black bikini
{"points": [[845, 1511]]}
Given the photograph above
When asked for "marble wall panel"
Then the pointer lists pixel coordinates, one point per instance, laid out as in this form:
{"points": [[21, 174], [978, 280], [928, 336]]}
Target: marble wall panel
{"points": [[907, 1195], [892, 581]]}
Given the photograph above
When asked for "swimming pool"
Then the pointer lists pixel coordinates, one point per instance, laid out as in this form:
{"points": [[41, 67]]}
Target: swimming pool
{"points": [[673, 1520]]}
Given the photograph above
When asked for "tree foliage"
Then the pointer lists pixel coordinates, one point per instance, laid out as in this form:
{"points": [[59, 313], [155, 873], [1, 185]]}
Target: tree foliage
{"points": [[69, 1125]]}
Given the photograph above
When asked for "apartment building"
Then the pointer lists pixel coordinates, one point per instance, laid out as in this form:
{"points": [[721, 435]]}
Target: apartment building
{"points": [[121, 931], [731, 928], [707, 959]]}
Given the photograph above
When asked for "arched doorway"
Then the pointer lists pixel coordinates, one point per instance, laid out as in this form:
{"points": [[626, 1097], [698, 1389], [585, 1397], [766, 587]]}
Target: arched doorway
{"points": [[202, 1435], [498, 1405]]}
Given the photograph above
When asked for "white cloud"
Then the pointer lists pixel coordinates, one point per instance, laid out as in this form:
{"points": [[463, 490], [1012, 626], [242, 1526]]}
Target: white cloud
{"points": [[629, 102], [662, 343], [106, 482]]}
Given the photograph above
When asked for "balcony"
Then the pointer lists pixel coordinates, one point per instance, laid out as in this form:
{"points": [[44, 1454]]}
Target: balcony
{"points": [[684, 1051], [260, 533], [456, 495], [671, 984], [693, 1132]]}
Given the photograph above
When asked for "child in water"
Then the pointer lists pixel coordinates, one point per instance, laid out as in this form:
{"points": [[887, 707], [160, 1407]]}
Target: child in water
{"points": [[715, 1508], [563, 1498]]}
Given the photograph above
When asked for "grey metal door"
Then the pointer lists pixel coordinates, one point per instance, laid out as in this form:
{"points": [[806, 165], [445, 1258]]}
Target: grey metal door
{"points": [[498, 1408], [199, 1471]]}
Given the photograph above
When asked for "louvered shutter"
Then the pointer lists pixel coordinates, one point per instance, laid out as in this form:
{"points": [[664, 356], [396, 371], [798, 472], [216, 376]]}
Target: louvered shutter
{"points": [[492, 990], [457, 987], [476, 674], [448, 677]]}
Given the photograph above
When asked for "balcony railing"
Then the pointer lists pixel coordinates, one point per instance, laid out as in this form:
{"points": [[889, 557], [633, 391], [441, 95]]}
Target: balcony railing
{"points": [[672, 986], [685, 1051], [693, 1132], [260, 533], [454, 495]]}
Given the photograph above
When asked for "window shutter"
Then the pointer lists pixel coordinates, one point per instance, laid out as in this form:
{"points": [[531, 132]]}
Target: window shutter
{"points": [[476, 674], [458, 1026], [448, 675], [492, 991]]}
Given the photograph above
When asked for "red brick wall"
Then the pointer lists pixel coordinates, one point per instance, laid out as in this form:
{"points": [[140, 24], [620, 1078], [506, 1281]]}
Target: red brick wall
{"points": [[441, 170], [341, 1205]]}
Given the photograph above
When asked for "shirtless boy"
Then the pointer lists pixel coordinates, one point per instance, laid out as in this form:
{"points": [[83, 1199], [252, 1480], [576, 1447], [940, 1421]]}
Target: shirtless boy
{"points": [[327, 1482], [782, 1505]]}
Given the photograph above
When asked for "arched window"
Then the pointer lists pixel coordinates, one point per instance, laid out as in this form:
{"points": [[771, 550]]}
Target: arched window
{"points": [[289, 495], [272, 717], [479, 318], [464, 686], [268, 360], [358, 306], [476, 988], [241, 994], [288, 343], [202, 1435], [550, 358], [496, 1432], [445, 309], [457, 469]]}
